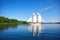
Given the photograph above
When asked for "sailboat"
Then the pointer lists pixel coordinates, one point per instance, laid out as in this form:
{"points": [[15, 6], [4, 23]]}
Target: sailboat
{"points": [[35, 18]]}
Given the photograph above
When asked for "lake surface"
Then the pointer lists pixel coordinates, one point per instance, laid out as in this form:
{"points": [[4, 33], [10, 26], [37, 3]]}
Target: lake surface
{"points": [[31, 32]]}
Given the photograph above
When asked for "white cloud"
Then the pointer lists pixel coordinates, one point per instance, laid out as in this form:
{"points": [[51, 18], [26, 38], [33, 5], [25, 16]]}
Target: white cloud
{"points": [[47, 8], [43, 9]]}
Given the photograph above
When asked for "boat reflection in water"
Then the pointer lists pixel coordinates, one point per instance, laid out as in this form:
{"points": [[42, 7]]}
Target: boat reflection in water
{"points": [[35, 28]]}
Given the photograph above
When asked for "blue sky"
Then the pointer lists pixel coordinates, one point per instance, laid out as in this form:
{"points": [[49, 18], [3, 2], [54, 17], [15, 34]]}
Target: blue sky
{"points": [[23, 9]]}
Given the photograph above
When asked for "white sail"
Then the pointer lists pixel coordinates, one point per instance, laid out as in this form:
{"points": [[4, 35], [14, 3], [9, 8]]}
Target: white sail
{"points": [[30, 19], [34, 18], [39, 19]]}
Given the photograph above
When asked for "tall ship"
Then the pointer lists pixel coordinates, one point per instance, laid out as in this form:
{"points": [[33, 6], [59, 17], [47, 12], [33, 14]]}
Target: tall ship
{"points": [[35, 18]]}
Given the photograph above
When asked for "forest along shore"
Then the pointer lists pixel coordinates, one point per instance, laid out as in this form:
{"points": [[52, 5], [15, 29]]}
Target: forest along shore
{"points": [[6, 21]]}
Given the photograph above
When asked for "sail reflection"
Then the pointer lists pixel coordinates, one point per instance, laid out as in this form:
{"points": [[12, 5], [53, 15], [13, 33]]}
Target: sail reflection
{"points": [[36, 29]]}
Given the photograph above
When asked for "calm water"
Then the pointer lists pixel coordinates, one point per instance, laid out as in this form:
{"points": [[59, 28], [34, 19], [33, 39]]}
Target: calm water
{"points": [[31, 32]]}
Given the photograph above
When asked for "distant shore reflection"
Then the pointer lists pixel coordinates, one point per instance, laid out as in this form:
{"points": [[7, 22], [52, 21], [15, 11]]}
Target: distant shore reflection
{"points": [[36, 29]]}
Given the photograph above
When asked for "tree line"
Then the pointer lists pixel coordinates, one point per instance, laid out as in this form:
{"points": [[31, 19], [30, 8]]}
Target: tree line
{"points": [[7, 21]]}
